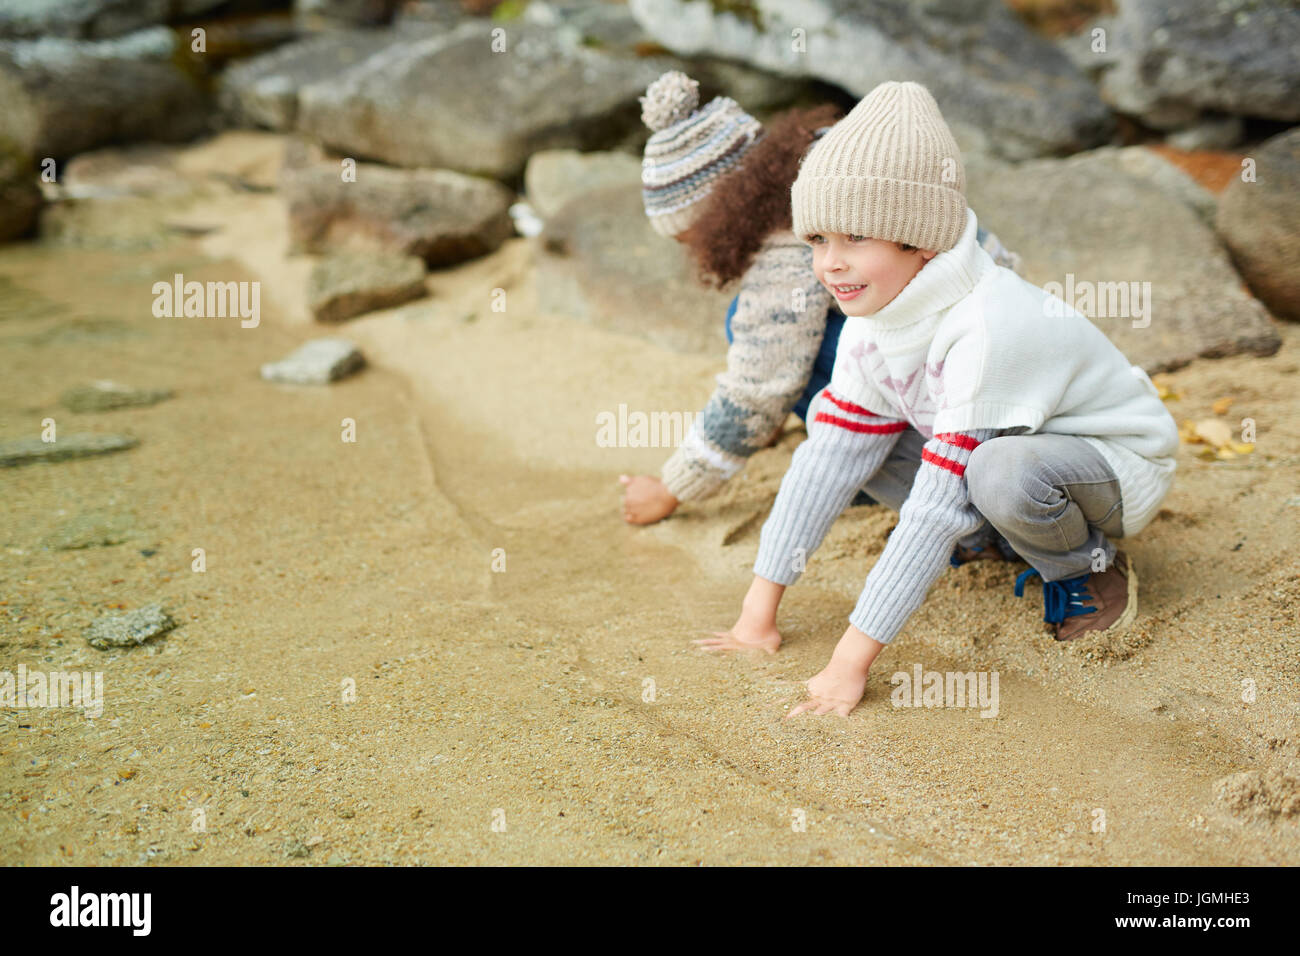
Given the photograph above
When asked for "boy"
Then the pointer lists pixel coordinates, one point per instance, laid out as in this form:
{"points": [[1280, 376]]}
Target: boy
{"points": [[1032, 422]]}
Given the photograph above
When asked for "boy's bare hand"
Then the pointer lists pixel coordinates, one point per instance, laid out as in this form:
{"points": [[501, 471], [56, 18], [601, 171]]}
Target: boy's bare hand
{"points": [[743, 636], [836, 689], [841, 684], [646, 499]]}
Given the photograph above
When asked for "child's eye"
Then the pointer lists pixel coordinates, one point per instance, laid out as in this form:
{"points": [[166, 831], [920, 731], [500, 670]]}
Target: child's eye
{"points": [[813, 238], [853, 238]]}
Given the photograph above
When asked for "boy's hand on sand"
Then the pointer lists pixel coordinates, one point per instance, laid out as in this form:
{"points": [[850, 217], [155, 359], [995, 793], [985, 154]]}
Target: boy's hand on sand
{"points": [[841, 684], [646, 499], [743, 636], [836, 689]]}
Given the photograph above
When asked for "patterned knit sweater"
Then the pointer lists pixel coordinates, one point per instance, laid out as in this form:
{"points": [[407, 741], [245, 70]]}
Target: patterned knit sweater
{"points": [[965, 352], [776, 333]]}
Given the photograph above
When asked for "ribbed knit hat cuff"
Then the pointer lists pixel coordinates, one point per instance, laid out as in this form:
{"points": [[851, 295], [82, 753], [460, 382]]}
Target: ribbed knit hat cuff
{"points": [[920, 214], [669, 225]]}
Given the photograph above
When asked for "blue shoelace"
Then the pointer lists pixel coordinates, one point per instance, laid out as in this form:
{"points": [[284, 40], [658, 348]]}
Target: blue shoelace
{"points": [[1061, 599]]}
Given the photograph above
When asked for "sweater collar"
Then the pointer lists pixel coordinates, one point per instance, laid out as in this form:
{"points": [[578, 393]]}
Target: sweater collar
{"points": [[941, 282]]}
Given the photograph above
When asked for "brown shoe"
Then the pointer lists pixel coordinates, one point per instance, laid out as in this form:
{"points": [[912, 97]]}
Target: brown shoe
{"points": [[1098, 601]]}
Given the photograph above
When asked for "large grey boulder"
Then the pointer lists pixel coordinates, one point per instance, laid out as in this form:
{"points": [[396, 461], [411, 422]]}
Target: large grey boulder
{"points": [[556, 176], [344, 286], [1260, 222], [599, 261], [318, 14], [440, 215], [450, 101], [142, 169], [431, 90], [263, 90], [91, 19], [1002, 88], [422, 17], [613, 30], [1168, 62], [20, 197], [1160, 283], [64, 96], [1151, 167], [1210, 131]]}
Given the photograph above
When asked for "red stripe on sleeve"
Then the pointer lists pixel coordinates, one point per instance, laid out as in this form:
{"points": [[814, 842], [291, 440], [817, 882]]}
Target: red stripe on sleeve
{"points": [[956, 468], [860, 426], [961, 441]]}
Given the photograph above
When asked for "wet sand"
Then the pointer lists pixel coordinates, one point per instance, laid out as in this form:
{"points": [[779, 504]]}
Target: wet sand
{"points": [[505, 716]]}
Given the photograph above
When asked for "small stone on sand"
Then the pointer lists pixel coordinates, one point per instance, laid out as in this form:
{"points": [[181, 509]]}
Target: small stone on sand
{"points": [[25, 451], [92, 530], [103, 396], [318, 362], [129, 628]]}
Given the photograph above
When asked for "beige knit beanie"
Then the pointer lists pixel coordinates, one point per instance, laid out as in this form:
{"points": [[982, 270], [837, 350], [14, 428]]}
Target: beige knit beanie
{"points": [[889, 170]]}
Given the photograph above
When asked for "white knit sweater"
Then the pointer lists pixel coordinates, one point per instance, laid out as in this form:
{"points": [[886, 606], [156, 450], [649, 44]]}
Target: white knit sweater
{"points": [[967, 351], [968, 344]]}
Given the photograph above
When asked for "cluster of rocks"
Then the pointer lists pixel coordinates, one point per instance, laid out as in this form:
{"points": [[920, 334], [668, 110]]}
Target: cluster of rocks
{"points": [[416, 124], [1182, 67]]}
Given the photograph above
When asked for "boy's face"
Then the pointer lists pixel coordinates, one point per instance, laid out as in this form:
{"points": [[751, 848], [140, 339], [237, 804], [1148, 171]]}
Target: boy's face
{"points": [[863, 274]]}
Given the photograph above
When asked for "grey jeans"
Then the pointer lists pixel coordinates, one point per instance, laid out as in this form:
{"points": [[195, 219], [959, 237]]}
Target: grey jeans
{"points": [[1053, 498]]}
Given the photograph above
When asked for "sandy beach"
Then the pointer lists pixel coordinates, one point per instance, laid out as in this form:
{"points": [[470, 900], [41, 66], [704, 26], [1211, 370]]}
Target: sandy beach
{"points": [[553, 709]]}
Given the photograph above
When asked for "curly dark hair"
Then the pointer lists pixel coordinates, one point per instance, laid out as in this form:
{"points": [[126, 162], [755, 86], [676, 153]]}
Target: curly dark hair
{"points": [[753, 200]]}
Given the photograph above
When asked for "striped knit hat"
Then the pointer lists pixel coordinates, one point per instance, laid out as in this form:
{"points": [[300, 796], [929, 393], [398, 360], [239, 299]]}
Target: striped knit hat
{"points": [[689, 150], [889, 170]]}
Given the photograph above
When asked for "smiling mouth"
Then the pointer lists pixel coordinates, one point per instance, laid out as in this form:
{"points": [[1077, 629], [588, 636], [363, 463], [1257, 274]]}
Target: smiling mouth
{"points": [[847, 291]]}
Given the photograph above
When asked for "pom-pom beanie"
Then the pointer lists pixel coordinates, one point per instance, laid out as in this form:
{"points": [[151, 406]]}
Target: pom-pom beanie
{"points": [[689, 150]]}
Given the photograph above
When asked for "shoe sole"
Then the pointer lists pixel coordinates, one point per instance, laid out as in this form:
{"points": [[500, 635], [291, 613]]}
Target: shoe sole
{"points": [[1131, 608]]}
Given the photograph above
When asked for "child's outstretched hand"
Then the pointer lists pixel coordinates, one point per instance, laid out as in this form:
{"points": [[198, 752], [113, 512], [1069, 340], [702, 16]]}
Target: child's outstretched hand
{"points": [[646, 499], [755, 630], [743, 636], [841, 684]]}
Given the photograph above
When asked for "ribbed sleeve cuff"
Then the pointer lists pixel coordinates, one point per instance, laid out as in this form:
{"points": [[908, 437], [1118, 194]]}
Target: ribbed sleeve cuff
{"points": [[690, 479], [780, 568]]}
